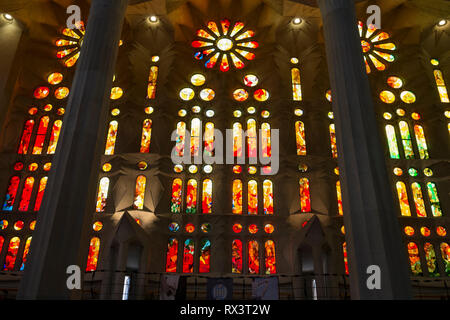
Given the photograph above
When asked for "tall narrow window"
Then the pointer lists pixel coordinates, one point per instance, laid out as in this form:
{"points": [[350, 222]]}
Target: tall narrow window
{"points": [[421, 142], [237, 139], [344, 251], [236, 256], [440, 83], [296, 85], [270, 259], [139, 193], [188, 256], [406, 140], [252, 197], [253, 257], [25, 253], [11, 255], [152, 78], [11, 193], [209, 139], [305, 202], [102, 194], [40, 193], [434, 199], [445, 253], [207, 196], [403, 199], [26, 137], [56, 130], [175, 206], [418, 199], [191, 196], [268, 196], [300, 138], [333, 141], [26, 194], [205, 256], [94, 248], [392, 142], [251, 138], [339, 198], [172, 255], [430, 256], [2, 240], [181, 133], [196, 126], [237, 197], [414, 259], [40, 135], [146, 136], [265, 137], [111, 139]]}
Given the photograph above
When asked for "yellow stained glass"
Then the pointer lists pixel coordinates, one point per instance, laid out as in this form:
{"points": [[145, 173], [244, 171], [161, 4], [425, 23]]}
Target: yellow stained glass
{"points": [[403, 199]]}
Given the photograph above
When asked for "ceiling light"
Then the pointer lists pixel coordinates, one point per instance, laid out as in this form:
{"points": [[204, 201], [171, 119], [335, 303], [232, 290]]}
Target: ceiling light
{"points": [[443, 22], [153, 19], [8, 17], [297, 21]]}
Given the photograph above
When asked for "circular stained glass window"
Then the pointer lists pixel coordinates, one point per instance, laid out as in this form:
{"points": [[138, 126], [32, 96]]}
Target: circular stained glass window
{"points": [[400, 112], [251, 110], [205, 227], [32, 111], [189, 228], [252, 228], [55, 78], [33, 166], [240, 95], [174, 227], [107, 167], [395, 82], [407, 97], [294, 60], [412, 172], [196, 109], [298, 112], [142, 165], [97, 226], [48, 107], [47, 166], [18, 225], [18, 166], [41, 92], [187, 94], [148, 110], [336, 171], [425, 231], [237, 227], [330, 115], [387, 96], [398, 171], [441, 231], [251, 80], [268, 228], [265, 114], [328, 95], [178, 168], [252, 170], [193, 169], [154, 58], [434, 62], [409, 231], [302, 167], [387, 116], [225, 44], [60, 111], [415, 116], [237, 169], [3, 224], [207, 169], [182, 112], [261, 95], [237, 113], [207, 94], [198, 79], [116, 93], [115, 112], [209, 113], [428, 172]]}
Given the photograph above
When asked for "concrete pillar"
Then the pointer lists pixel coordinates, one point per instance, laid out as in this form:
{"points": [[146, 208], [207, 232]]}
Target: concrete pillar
{"points": [[64, 222], [371, 225]]}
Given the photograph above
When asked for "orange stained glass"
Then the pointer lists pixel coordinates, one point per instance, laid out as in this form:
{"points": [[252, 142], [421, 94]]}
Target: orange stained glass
{"points": [[111, 138], [246, 54], [236, 256], [251, 138], [300, 138], [403, 199], [445, 253], [344, 250], [296, 85], [253, 257], [387, 96], [62, 93], [175, 206], [395, 82], [11, 193], [253, 228], [261, 95], [205, 256], [41, 92], [225, 23], [181, 132], [409, 231], [425, 231], [72, 60], [268, 196], [25, 253], [94, 248], [26, 194], [224, 65], [305, 201], [139, 192], [333, 141], [54, 136], [102, 194], [146, 136], [207, 196], [236, 61], [270, 258], [251, 80], [11, 254], [252, 197], [172, 255], [240, 95], [40, 135], [440, 231], [421, 142], [55, 78], [195, 136], [40, 193], [237, 139], [191, 196], [268, 228], [418, 199], [212, 61], [152, 78], [26, 136], [440, 83], [237, 197], [265, 135], [209, 139], [188, 256], [339, 198], [2, 240], [116, 93]]}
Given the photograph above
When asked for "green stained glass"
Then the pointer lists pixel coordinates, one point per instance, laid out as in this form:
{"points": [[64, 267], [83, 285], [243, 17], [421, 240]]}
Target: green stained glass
{"points": [[412, 172], [430, 256], [406, 140], [392, 142], [434, 199], [421, 142]]}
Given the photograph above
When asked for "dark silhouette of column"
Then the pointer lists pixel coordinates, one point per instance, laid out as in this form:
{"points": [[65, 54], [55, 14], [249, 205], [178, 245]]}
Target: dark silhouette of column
{"points": [[65, 219], [371, 224]]}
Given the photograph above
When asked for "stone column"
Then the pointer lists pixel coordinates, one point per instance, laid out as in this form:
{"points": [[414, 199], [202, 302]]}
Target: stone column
{"points": [[64, 221], [371, 224]]}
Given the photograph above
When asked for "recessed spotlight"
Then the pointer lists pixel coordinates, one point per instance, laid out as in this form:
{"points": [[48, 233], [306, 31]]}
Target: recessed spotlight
{"points": [[8, 17], [443, 22], [297, 21], [153, 19]]}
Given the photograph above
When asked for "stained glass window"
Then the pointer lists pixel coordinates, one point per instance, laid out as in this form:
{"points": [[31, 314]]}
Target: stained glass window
{"points": [[26, 194], [139, 192], [253, 257], [251, 138], [111, 139], [414, 259], [268, 196], [146, 136], [406, 140], [392, 142], [305, 202], [40, 135], [191, 196], [195, 136], [188, 256], [300, 138], [445, 253], [270, 259], [434, 199], [151, 88], [296, 85], [403, 199], [175, 206], [70, 46], [333, 141], [237, 197], [440, 83], [236, 256], [237, 139], [205, 256], [421, 142], [172, 255], [181, 131], [11, 193], [209, 139], [207, 196], [94, 248], [2, 240], [25, 253], [102, 194], [26, 137], [54, 137], [11, 254], [252, 197], [265, 137], [430, 256], [418, 199], [339, 198], [344, 250]]}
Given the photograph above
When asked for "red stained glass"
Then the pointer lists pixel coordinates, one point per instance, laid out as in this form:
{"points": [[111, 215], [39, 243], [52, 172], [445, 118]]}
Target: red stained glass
{"points": [[237, 227], [146, 136], [236, 256], [18, 166], [188, 256], [305, 202], [40, 135], [11, 193], [172, 255], [94, 248], [175, 206], [205, 256], [209, 139], [414, 259], [11, 255], [26, 136], [265, 137], [268, 196], [191, 196], [237, 139], [237, 197], [212, 61], [26, 194], [189, 228], [25, 253], [41, 92], [252, 228], [207, 196], [139, 192], [252, 197], [261, 95], [344, 249], [199, 44], [224, 65], [253, 257], [270, 258], [251, 138], [54, 137], [225, 26], [236, 61], [339, 198]]}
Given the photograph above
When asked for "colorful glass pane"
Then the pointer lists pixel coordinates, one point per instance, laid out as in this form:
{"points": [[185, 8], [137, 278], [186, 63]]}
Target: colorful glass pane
{"points": [[265, 139], [207, 94], [139, 192], [421, 142], [94, 248], [333, 141], [445, 253], [440, 83], [188, 256], [207, 196], [25, 253], [111, 138], [387, 96], [270, 259], [209, 139], [26, 136], [237, 197], [237, 139], [191, 196], [40, 135], [261, 95], [11, 254], [11, 193], [418, 199], [406, 140], [152, 79], [305, 202], [300, 138], [198, 79], [430, 256], [195, 136], [407, 97], [205, 256], [146, 136], [252, 197], [403, 199], [240, 95], [251, 138], [54, 137], [236, 256], [181, 131], [296, 85], [253, 257], [102, 194], [339, 198], [26, 194], [434, 199], [172, 255], [251, 80], [268, 196], [344, 250], [187, 94], [175, 206], [392, 142]]}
